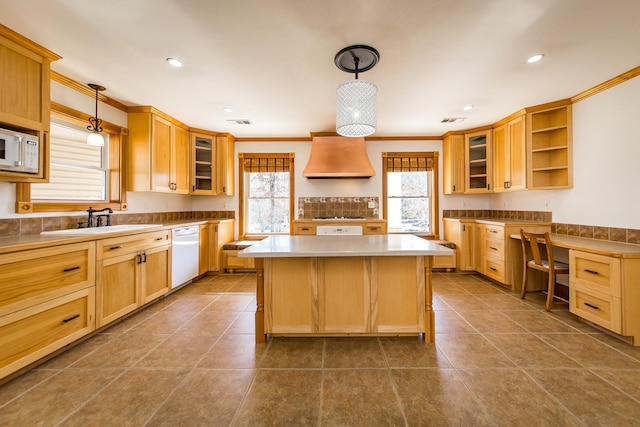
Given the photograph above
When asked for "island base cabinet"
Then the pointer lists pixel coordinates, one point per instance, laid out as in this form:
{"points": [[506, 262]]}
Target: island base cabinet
{"points": [[290, 292], [30, 334], [344, 296]]}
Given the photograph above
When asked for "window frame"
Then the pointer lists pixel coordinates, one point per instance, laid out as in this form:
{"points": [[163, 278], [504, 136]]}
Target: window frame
{"points": [[434, 191], [242, 196], [117, 195]]}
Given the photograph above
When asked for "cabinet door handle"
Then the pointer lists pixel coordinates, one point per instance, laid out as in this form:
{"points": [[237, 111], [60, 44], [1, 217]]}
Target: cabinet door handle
{"points": [[144, 257], [590, 271], [69, 319], [595, 307], [488, 186], [66, 270], [454, 187], [139, 258], [193, 188], [113, 248]]}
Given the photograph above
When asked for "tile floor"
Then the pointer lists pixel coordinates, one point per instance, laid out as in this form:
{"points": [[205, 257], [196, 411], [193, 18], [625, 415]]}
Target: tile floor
{"points": [[190, 359]]}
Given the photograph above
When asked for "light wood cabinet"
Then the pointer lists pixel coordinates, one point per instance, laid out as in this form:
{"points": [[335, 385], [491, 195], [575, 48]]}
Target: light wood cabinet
{"points": [[345, 295], [204, 247], [478, 162], [203, 163], [158, 152], [220, 233], [453, 162], [462, 233], [550, 148], [510, 156], [25, 99], [46, 302], [225, 166], [131, 271]]}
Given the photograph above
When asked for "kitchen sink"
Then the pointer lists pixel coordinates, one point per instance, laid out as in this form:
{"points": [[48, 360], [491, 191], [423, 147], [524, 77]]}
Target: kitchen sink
{"points": [[101, 230]]}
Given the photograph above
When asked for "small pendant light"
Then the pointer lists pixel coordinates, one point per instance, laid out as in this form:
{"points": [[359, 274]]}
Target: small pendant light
{"points": [[356, 99], [95, 138]]}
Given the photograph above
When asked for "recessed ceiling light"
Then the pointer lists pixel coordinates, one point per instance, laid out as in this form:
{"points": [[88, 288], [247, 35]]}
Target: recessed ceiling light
{"points": [[467, 107], [535, 58], [174, 62], [227, 109]]}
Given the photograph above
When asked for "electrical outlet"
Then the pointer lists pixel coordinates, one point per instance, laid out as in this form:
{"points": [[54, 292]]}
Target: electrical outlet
{"points": [[371, 204]]}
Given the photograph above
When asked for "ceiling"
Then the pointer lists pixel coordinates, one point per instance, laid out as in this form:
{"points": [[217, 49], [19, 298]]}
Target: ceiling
{"points": [[272, 61]]}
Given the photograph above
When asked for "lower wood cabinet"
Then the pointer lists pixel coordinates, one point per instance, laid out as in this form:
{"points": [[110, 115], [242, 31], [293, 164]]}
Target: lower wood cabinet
{"points": [[28, 335], [343, 295], [131, 271], [47, 300]]}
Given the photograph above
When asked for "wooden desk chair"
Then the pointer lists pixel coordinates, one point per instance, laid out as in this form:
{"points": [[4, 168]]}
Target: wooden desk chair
{"points": [[548, 265]]}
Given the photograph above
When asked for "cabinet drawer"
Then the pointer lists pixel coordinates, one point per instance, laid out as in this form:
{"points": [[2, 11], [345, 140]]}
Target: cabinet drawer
{"points": [[304, 229], [30, 334], [596, 272], [374, 228], [35, 276], [600, 309], [494, 269], [494, 248], [108, 248], [494, 232]]}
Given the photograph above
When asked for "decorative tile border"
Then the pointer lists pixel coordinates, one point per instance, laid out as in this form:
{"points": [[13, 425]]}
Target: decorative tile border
{"points": [[313, 207], [613, 234], [35, 225], [623, 235], [539, 216]]}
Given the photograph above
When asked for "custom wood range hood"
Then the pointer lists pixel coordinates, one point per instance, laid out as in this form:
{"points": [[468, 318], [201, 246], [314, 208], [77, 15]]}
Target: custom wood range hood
{"points": [[338, 157]]}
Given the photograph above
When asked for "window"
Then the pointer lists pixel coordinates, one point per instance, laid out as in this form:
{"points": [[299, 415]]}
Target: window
{"points": [[410, 192], [266, 189], [96, 176], [77, 171]]}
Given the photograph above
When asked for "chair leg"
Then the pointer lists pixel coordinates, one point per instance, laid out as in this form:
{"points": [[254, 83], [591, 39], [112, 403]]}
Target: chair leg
{"points": [[524, 282], [551, 289]]}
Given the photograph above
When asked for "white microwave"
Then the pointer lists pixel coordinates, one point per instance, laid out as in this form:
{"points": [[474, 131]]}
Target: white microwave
{"points": [[19, 152]]}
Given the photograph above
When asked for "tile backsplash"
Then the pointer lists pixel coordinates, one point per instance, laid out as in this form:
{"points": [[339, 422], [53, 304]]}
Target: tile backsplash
{"points": [[312, 207], [623, 235], [35, 225]]}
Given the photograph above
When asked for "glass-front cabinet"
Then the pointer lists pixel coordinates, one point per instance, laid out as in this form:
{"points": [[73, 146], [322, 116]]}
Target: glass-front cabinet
{"points": [[478, 162], [203, 149]]}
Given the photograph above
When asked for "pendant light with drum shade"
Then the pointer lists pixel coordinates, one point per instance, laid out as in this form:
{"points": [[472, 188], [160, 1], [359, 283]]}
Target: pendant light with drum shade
{"points": [[94, 138], [356, 99]]}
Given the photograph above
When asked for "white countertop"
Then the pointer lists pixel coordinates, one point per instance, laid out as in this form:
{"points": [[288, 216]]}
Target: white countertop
{"points": [[332, 246]]}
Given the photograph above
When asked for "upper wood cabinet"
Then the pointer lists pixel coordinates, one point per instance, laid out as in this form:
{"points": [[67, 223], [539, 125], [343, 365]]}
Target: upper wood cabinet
{"points": [[225, 167], [550, 148], [158, 152], [25, 95], [212, 166], [453, 162], [509, 156], [478, 160]]}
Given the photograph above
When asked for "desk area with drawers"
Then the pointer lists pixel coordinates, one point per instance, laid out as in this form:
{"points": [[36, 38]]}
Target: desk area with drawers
{"points": [[604, 283]]}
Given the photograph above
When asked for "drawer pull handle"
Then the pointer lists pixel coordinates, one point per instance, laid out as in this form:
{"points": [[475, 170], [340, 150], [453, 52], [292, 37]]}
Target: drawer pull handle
{"points": [[595, 307], [493, 231], [305, 228], [491, 247], [66, 270], [159, 238], [493, 268], [113, 248], [590, 271], [69, 319]]}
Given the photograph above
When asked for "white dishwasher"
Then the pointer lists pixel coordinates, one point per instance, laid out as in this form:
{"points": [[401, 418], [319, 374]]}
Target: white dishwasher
{"points": [[185, 252]]}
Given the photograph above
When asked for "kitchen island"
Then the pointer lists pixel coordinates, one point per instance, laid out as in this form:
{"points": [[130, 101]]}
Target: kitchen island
{"points": [[344, 285]]}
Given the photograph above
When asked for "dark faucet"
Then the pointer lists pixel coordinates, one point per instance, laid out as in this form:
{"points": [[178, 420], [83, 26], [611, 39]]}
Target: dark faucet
{"points": [[92, 211]]}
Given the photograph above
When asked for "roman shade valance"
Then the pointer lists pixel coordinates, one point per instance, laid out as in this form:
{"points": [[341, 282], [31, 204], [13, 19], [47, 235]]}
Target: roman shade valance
{"points": [[400, 162]]}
